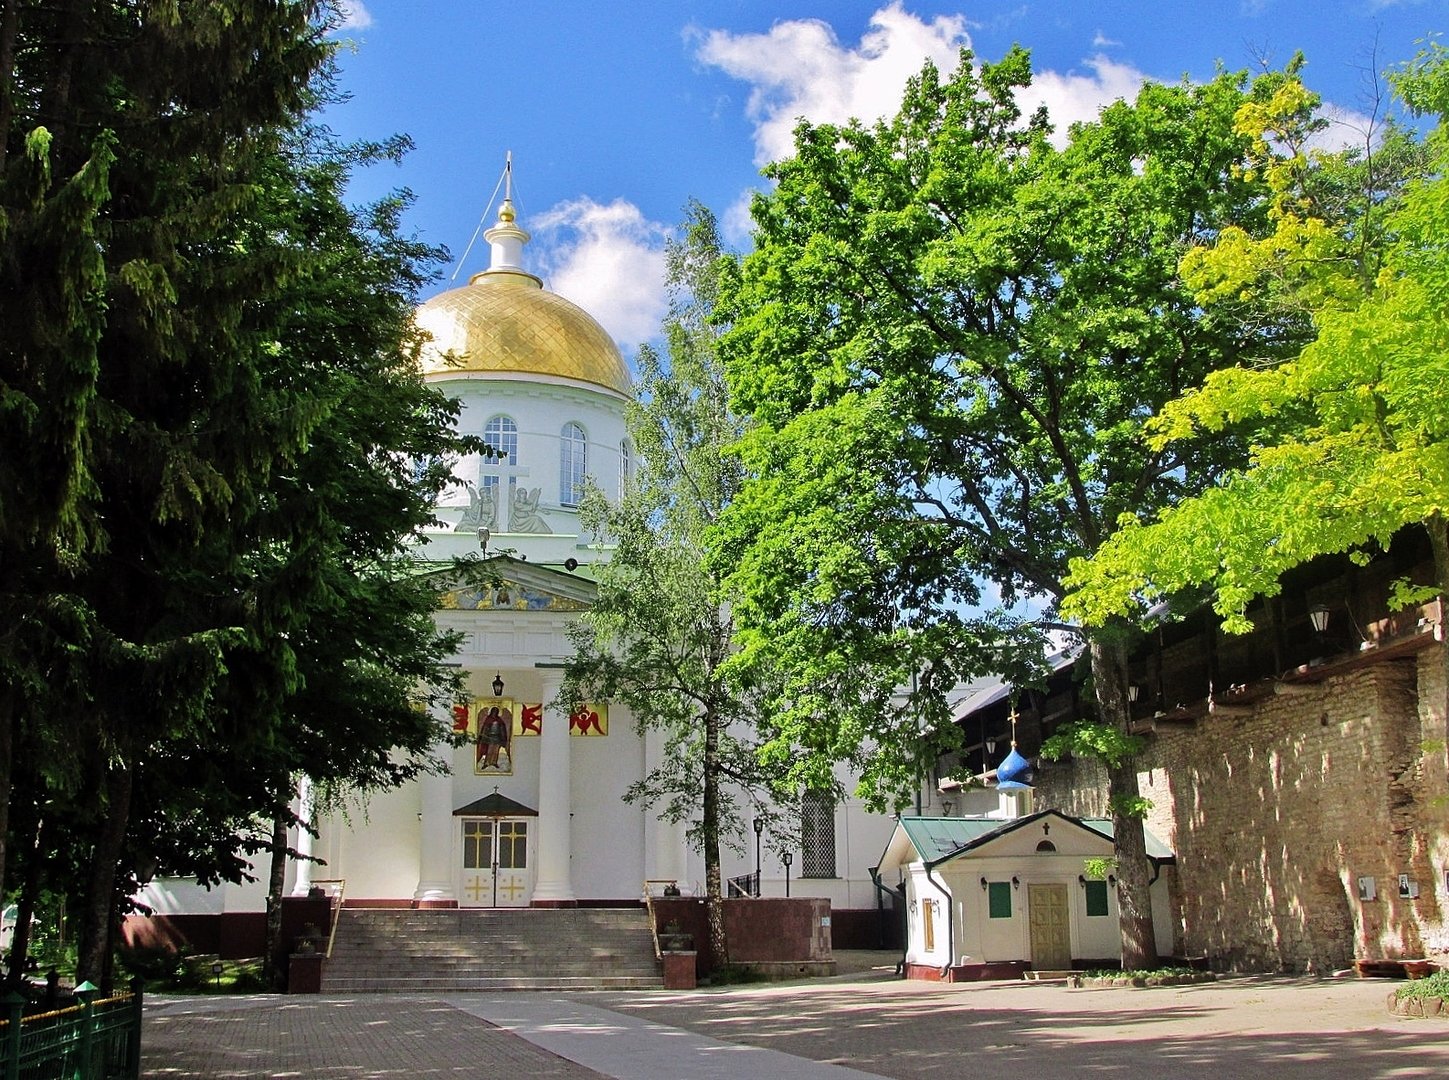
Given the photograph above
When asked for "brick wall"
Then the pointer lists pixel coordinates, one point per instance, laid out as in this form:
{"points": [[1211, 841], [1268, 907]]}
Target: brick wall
{"points": [[1275, 815], [763, 930]]}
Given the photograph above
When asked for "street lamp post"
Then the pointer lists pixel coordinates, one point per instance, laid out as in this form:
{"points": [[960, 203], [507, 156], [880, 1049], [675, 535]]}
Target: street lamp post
{"points": [[787, 859], [759, 824]]}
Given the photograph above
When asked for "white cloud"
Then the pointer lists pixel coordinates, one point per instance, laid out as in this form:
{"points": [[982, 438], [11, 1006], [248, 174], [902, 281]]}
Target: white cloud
{"points": [[608, 259], [736, 225], [1346, 128], [355, 15], [1073, 97], [799, 68], [1102, 41]]}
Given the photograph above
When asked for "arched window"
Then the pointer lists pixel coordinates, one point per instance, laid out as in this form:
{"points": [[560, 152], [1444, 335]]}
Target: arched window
{"points": [[626, 465], [1046, 845], [501, 433], [573, 463]]}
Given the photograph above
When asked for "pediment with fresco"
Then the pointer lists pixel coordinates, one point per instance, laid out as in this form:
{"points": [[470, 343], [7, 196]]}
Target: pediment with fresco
{"points": [[519, 587]]}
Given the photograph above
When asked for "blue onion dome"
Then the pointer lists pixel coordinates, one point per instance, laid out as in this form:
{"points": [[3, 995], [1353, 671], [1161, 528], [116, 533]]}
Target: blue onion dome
{"points": [[1014, 773]]}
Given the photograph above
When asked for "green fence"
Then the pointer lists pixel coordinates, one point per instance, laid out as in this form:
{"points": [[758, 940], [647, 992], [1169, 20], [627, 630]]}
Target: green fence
{"points": [[99, 1039]]}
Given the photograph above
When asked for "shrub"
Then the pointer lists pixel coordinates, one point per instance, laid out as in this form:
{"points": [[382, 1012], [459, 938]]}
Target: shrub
{"points": [[734, 975], [155, 963], [1436, 985]]}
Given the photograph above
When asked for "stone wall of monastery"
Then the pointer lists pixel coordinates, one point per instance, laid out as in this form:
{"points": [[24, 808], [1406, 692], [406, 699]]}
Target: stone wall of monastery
{"points": [[1277, 815]]}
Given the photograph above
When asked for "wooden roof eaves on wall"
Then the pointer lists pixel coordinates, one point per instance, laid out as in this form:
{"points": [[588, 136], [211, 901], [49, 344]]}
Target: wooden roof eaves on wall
{"points": [[1242, 699]]}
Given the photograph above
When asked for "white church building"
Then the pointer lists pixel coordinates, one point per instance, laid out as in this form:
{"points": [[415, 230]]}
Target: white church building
{"points": [[530, 811]]}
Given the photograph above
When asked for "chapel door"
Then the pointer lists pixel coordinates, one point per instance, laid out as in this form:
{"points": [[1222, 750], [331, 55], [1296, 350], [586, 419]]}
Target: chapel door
{"points": [[495, 863], [1051, 928]]}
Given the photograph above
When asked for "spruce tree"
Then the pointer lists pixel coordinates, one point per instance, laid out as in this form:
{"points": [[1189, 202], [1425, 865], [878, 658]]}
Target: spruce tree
{"points": [[192, 407]]}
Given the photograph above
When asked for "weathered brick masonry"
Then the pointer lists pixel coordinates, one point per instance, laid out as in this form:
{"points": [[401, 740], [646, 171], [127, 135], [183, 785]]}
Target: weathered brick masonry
{"points": [[1278, 809]]}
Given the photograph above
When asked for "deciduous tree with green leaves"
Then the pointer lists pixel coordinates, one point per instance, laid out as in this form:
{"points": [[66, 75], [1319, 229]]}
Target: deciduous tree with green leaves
{"points": [[1353, 433], [658, 637], [947, 338]]}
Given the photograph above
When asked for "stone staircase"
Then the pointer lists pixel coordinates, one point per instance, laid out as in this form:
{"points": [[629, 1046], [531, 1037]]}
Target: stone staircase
{"points": [[398, 949]]}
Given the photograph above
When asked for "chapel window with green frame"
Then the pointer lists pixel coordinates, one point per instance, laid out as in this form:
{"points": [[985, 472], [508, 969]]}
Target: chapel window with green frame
{"points": [[998, 899]]}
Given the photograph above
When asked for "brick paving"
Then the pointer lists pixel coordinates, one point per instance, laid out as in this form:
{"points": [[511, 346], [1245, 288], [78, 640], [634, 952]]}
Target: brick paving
{"points": [[373, 1037], [1283, 1028]]}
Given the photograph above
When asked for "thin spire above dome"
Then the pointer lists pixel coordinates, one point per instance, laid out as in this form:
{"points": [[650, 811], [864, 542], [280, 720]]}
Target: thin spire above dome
{"points": [[506, 240], [1015, 772], [505, 324]]}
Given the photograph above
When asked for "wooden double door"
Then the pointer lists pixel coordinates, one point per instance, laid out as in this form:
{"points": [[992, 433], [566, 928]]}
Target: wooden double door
{"points": [[1051, 927]]}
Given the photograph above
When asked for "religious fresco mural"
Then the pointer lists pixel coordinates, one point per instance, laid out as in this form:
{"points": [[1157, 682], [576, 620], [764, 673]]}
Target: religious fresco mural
{"points": [[491, 732], [529, 720], [590, 720], [491, 725], [508, 596]]}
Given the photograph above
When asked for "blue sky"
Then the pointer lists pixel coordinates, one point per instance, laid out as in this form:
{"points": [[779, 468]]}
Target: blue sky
{"points": [[618, 114]]}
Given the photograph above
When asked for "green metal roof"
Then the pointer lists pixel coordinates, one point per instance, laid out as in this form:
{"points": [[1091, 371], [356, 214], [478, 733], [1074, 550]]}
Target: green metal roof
{"points": [[934, 837], [937, 839], [1156, 849]]}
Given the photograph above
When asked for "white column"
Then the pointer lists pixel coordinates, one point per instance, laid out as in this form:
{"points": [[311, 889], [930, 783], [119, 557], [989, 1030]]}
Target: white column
{"points": [[666, 847], [435, 841], [307, 815], [553, 887]]}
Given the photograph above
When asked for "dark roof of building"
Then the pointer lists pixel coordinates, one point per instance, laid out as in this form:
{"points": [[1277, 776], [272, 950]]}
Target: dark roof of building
{"points": [[495, 805]]}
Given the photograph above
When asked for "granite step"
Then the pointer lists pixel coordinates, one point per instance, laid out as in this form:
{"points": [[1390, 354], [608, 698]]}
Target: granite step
{"points": [[494, 949]]}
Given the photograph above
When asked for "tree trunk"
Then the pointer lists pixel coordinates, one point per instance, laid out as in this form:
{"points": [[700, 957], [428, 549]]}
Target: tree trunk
{"points": [[55, 96], [1134, 901], [94, 945], [7, 771], [276, 880], [713, 882], [9, 28], [25, 910]]}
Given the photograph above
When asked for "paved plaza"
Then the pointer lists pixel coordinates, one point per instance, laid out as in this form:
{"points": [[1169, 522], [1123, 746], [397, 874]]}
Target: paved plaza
{"points": [[831, 1029]]}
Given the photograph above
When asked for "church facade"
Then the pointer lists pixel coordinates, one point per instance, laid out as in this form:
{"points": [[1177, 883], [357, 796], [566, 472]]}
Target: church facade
{"points": [[529, 809]]}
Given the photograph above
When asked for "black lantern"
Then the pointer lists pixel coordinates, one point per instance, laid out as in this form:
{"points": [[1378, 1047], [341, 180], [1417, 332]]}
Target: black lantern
{"points": [[498, 685], [787, 859], [759, 824]]}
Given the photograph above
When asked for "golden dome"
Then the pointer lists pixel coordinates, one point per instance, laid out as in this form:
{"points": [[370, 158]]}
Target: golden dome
{"points": [[504, 321]]}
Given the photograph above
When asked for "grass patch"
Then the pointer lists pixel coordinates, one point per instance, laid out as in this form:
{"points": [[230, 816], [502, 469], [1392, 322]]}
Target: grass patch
{"points": [[734, 975], [168, 971], [1145, 973]]}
